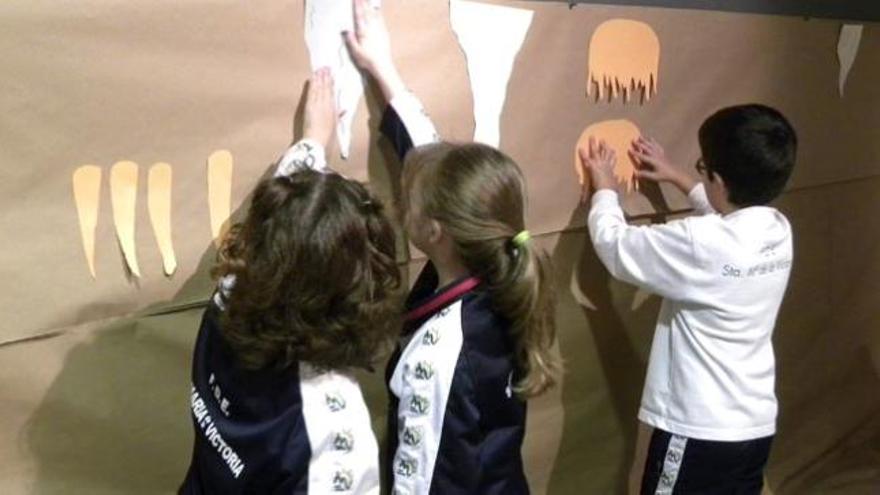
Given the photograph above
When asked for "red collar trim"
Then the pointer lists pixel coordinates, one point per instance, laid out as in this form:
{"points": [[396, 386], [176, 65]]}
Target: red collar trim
{"points": [[442, 299]]}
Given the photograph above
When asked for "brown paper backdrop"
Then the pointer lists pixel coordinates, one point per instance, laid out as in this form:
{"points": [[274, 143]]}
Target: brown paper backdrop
{"points": [[94, 373]]}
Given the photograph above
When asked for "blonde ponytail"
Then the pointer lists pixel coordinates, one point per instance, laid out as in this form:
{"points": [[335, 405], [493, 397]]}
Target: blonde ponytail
{"points": [[478, 194]]}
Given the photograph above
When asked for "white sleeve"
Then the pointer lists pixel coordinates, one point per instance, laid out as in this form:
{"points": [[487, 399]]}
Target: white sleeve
{"points": [[659, 258], [224, 288], [414, 117], [304, 154], [699, 200]]}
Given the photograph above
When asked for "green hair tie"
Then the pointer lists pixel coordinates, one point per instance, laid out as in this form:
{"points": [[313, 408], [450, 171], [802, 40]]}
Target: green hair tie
{"points": [[520, 239]]}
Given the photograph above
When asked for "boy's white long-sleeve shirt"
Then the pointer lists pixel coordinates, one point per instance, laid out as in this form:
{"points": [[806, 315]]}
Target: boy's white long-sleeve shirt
{"points": [[711, 373]]}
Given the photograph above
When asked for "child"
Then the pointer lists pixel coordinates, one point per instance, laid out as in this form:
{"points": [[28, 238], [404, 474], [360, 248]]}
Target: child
{"points": [[304, 297], [480, 322], [709, 393]]}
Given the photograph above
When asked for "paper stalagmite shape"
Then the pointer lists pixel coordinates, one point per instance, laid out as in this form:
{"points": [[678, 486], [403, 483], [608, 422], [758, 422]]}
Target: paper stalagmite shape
{"points": [[123, 198], [847, 49], [159, 205], [624, 59], [219, 193], [87, 195], [619, 135], [325, 20], [490, 36]]}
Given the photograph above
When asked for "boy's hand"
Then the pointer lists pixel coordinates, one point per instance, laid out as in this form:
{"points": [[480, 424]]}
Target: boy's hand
{"points": [[598, 160], [370, 48], [319, 122], [655, 166]]}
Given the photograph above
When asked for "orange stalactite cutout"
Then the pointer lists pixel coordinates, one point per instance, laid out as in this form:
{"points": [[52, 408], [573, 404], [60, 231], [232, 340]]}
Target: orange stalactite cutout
{"points": [[159, 206], [87, 195], [219, 193], [619, 134], [624, 58], [123, 199]]}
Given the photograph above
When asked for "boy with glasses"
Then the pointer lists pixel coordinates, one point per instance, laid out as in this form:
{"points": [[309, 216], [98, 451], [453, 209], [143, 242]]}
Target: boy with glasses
{"points": [[709, 391]]}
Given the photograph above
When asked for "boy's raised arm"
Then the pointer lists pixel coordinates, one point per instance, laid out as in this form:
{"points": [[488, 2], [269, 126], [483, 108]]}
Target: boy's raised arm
{"points": [[659, 258], [656, 167]]}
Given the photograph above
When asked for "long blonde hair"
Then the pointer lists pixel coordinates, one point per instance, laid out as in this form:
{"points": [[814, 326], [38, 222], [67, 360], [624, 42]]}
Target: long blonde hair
{"points": [[477, 194]]}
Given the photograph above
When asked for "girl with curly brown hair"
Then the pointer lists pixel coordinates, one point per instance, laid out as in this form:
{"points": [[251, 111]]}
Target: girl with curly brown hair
{"points": [[307, 293]]}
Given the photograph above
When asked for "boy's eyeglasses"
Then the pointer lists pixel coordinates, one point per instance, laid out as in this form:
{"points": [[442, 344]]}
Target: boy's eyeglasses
{"points": [[702, 169]]}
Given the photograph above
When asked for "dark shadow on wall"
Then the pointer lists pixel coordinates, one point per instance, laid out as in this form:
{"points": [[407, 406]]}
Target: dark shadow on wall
{"points": [[620, 337], [116, 419]]}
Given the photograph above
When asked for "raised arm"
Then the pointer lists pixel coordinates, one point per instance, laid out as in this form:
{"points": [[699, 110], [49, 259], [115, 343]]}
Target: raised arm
{"points": [[404, 122], [318, 128], [656, 167], [658, 258]]}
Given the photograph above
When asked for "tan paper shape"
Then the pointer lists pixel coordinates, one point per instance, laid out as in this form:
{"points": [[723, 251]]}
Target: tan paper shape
{"points": [[159, 205], [624, 57], [619, 134], [847, 49], [87, 195], [123, 198], [219, 193]]}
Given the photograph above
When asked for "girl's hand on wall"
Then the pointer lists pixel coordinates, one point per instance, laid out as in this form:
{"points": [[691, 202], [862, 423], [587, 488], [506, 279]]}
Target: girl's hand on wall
{"points": [[320, 110], [370, 48]]}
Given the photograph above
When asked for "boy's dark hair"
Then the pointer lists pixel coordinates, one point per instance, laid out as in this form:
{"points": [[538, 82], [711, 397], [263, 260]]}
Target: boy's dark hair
{"points": [[315, 275], [753, 148]]}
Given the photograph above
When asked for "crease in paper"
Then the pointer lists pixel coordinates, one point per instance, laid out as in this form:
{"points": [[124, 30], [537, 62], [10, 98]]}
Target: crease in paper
{"points": [[159, 206], [624, 60], [87, 196], [325, 20], [619, 134], [490, 37], [219, 193], [847, 49], [123, 199]]}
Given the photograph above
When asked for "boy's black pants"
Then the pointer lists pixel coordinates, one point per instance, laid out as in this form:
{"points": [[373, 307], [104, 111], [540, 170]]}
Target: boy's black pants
{"points": [[677, 465]]}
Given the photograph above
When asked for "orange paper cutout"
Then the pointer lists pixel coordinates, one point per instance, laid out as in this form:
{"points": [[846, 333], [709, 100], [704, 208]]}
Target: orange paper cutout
{"points": [[123, 198], [619, 135], [87, 195], [159, 205], [219, 193], [624, 58]]}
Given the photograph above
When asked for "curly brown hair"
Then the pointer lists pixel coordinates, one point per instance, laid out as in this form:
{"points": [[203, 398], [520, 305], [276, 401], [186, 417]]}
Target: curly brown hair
{"points": [[315, 275]]}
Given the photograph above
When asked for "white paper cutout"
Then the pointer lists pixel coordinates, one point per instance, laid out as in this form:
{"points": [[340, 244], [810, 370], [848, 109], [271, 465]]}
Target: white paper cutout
{"points": [[847, 49], [87, 195], [490, 37], [123, 198], [325, 20]]}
